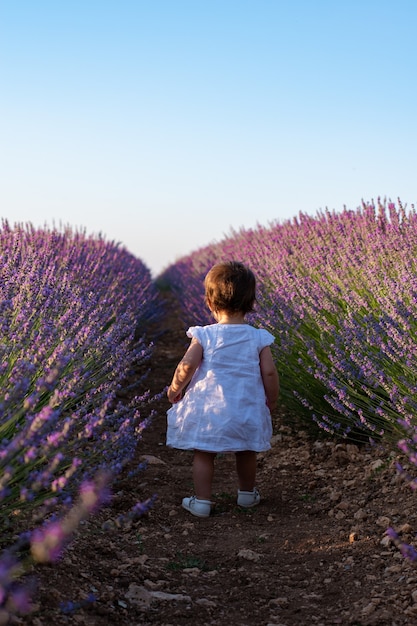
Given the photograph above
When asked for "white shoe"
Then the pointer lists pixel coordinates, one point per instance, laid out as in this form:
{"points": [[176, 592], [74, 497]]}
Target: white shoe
{"points": [[248, 499], [199, 508]]}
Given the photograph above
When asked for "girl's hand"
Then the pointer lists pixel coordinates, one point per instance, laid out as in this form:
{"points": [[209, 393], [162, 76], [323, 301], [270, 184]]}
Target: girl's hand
{"points": [[173, 396], [185, 370]]}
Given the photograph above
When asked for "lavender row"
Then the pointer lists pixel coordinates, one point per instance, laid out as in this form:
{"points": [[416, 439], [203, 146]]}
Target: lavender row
{"points": [[73, 314], [339, 293]]}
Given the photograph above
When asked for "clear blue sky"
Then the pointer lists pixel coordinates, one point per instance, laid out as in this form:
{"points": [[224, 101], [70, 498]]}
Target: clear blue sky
{"points": [[163, 124]]}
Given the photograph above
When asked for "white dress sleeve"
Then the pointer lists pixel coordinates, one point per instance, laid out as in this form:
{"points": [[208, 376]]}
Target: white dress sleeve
{"points": [[196, 332], [265, 338]]}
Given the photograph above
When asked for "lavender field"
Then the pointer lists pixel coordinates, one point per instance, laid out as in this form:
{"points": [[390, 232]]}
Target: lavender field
{"points": [[338, 291], [74, 310]]}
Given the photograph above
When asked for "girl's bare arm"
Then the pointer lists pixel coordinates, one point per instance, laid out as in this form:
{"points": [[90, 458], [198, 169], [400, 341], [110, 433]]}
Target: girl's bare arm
{"points": [[270, 378], [184, 371]]}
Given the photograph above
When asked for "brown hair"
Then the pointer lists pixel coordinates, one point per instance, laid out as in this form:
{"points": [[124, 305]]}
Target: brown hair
{"points": [[230, 287]]}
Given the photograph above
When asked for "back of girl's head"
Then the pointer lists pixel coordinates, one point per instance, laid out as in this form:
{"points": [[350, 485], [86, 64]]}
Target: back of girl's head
{"points": [[230, 287]]}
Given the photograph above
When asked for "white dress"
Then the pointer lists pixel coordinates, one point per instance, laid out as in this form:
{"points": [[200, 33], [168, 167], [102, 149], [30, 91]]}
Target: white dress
{"points": [[224, 407]]}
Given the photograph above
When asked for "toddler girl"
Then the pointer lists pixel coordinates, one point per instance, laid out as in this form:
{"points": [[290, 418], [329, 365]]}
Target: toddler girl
{"points": [[233, 386]]}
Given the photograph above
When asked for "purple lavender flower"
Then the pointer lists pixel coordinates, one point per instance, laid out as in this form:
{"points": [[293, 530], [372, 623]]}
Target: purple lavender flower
{"points": [[339, 292], [74, 312]]}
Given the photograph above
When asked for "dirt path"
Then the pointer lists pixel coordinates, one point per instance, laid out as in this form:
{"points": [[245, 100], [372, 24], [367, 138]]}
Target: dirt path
{"points": [[313, 552]]}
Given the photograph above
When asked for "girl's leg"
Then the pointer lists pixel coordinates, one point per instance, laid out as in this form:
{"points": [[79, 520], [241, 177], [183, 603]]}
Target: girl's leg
{"points": [[203, 471], [246, 469]]}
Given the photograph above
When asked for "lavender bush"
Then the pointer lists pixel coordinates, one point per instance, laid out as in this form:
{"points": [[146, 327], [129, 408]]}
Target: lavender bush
{"points": [[73, 315], [339, 293]]}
